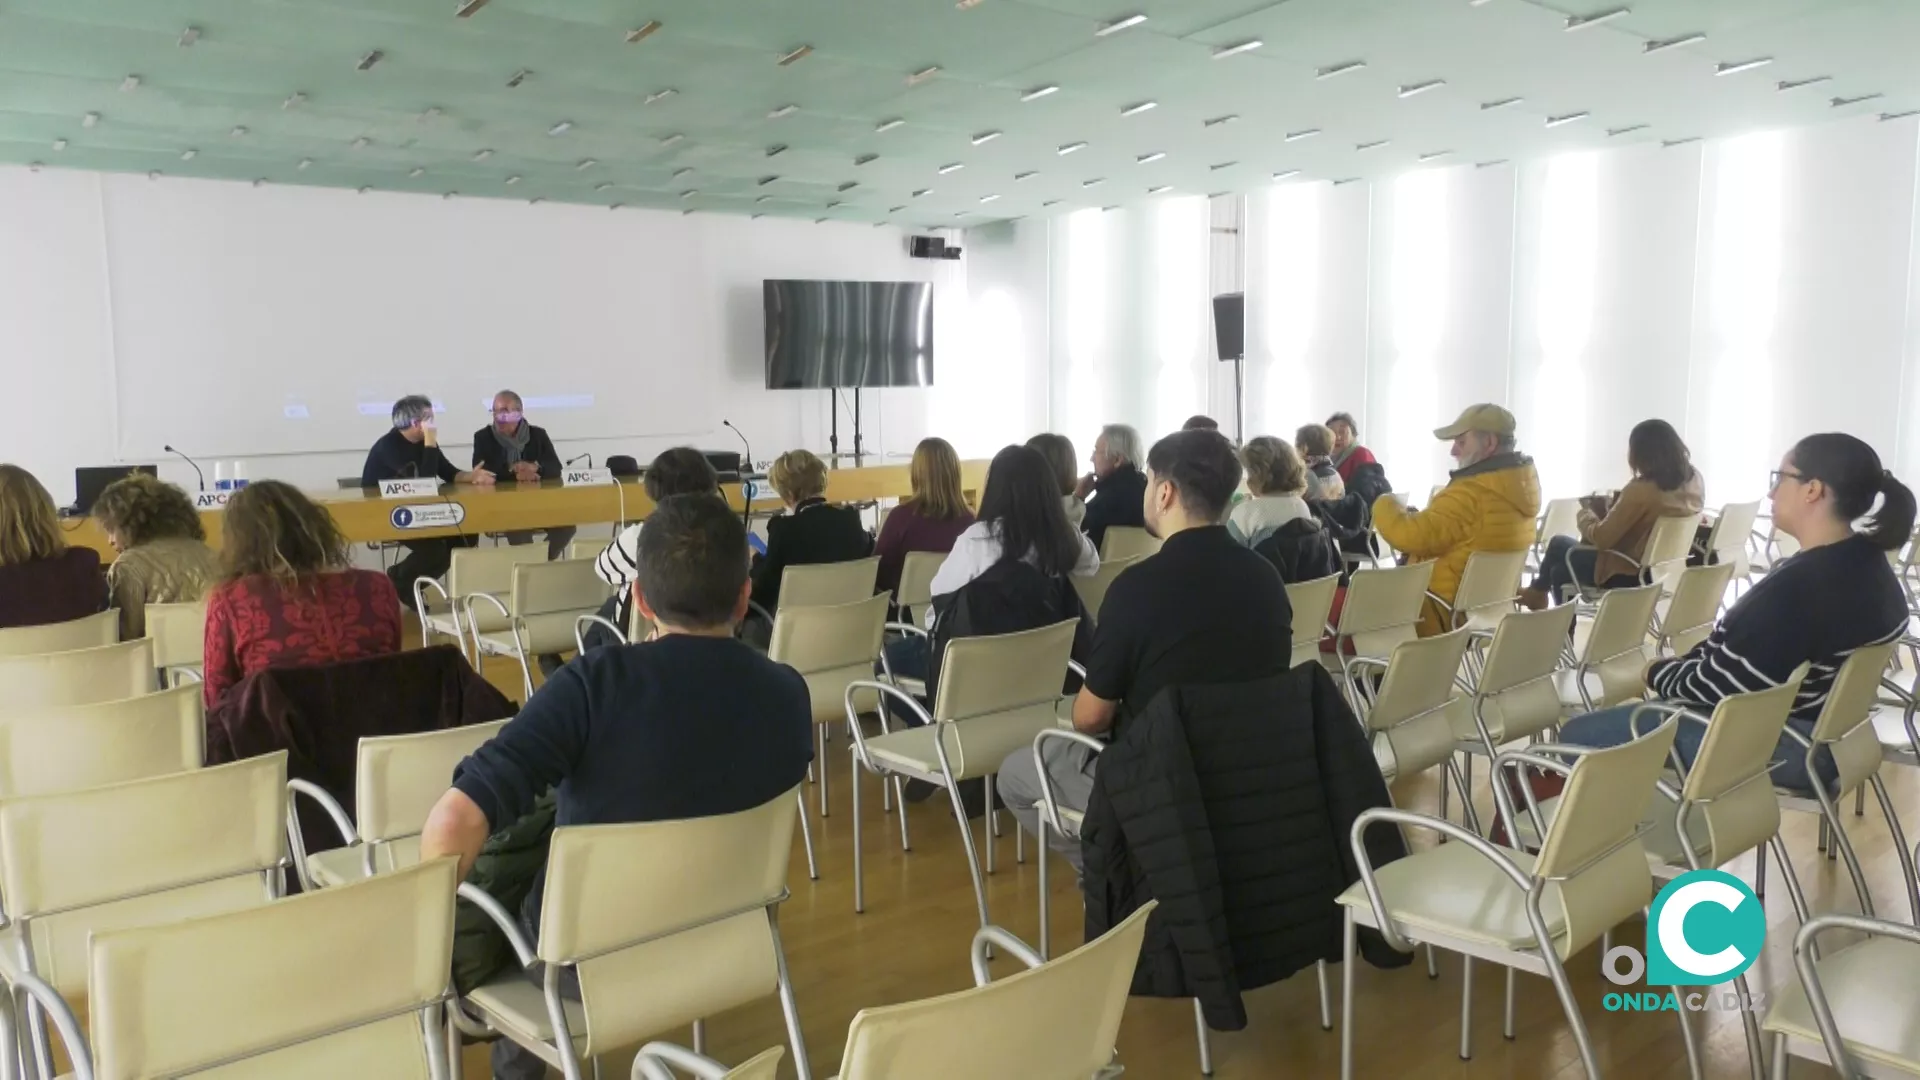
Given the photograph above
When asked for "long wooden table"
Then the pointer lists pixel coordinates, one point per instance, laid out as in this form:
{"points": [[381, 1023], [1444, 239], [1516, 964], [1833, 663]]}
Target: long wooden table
{"points": [[365, 517]]}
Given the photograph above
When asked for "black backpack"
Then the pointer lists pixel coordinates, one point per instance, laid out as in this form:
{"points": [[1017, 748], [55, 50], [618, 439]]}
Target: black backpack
{"points": [[1302, 550], [1013, 595]]}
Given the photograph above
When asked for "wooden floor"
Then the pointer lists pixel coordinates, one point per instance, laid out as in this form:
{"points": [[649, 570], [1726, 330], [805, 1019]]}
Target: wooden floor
{"points": [[912, 942]]}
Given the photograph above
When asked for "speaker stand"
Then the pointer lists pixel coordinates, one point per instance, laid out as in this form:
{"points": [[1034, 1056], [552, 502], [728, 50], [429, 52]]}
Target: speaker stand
{"points": [[1239, 401]]}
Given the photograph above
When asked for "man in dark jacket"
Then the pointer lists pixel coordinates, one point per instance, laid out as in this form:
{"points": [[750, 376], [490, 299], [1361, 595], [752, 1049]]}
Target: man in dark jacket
{"points": [[1204, 610], [512, 448], [1114, 489]]}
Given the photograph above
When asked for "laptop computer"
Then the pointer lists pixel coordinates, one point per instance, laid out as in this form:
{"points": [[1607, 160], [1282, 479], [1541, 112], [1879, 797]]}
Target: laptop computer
{"points": [[90, 480]]}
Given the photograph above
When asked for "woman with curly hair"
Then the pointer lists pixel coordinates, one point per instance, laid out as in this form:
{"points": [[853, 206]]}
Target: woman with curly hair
{"points": [[164, 557]]}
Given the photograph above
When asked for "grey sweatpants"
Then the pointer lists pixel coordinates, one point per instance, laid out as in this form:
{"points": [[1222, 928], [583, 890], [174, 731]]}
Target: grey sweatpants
{"points": [[1069, 769]]}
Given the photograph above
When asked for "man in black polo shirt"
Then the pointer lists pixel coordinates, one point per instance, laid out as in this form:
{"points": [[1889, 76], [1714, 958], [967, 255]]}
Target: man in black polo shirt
{"points": [[1203, 610]]}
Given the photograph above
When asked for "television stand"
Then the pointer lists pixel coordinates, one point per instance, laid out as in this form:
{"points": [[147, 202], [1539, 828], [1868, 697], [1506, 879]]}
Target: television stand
{"points": [[834, 456]]}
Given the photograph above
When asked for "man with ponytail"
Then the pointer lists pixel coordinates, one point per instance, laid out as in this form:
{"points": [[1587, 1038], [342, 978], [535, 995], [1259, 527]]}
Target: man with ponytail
{"points": [[1836, 595]]}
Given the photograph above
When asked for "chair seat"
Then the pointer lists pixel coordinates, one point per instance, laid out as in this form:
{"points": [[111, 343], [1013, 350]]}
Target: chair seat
{"points": [[916, 687], [1662, 840], [985, 742], [445, 623], [1871, 988], [343, 866], [1889, 722], [1453, 891], [1565, 681], [517, 1008]]}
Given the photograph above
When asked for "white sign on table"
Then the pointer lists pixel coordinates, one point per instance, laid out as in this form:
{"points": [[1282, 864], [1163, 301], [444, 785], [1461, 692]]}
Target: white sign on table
{"points": [[409, 488], [444, 515], [586, 477], [211, 500]]}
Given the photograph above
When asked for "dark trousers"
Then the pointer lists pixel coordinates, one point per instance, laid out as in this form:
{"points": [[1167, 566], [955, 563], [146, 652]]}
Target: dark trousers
{"points": [[424, 558], [509, 1059], [1555, 578], [910, 657]]}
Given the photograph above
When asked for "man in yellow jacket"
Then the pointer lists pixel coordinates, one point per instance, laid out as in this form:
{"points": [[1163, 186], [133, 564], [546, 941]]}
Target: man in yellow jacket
{"points": [[1489, 504]]}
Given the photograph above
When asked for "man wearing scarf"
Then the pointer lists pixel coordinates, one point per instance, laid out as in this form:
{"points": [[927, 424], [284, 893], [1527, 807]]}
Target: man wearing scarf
{"points": [[513, 449]]}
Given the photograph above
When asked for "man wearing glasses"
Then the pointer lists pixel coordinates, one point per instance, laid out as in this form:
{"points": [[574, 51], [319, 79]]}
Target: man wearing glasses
{"points": [[513, 449]]}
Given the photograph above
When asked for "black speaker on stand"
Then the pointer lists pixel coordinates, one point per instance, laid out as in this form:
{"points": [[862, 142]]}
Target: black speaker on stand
{"points": [[1230, 335]]}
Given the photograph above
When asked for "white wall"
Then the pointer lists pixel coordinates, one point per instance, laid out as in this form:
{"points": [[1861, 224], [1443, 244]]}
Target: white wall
{"points": [[209, 315]]}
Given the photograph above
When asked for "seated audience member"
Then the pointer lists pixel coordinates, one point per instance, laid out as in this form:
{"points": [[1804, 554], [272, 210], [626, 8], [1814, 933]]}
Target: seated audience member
{"points": [[811, 531], [1664, 484], [679, 471], [1204, 610], [412, 449], [42, 579], [1836, 595], [1276, 521], [512, 448], [164, 557], [1060, 455], [1489, 504], [1348, 454], [1315, 445], [290, 595], [1113, 490], [932, 519], [1199, 422], [690, 724]]}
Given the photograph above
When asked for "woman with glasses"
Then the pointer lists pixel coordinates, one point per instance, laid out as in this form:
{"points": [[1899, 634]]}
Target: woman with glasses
{"points": [[1836, 595]]}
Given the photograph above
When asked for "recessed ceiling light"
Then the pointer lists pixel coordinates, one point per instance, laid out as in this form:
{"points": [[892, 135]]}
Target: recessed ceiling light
{"points": [[482, 155], [923, 75], [1235, 50], [1039, 92], [1682, 41], [511, 180], [1489, 164], [1582, 22], [1118, 25], [130, 83], [1502, 103], [1669, 144], [360, 143], [642, 33], [1148, 159], [1028, 175], [468, 7], [1304, 133], [1285, 174], [689, 193], [776, 150], [1222, 165], [1136, 110], [1886, 116], [985, 137], [885, 126], [1613, 133], [679, 173], [561, 128], [1738, 66], [238, 132], [922, 191], [765, 180], [364, 188], [1795, 84], [795, 55], [1218, 120], [669, 140], [835, 204], [517, 78], [1051, 202], [864, 159], [1332, 70], [763, 199], [367, 61], [416, 172], [59, 144], [259, 181], [294, 100], [1161, 190], [1344, 181], [1434, 155], [1095, 182], [660, 95], [1412, 89], [895, 209], [1069, 148], [783, 112], [1565, 118], [848, 185], [189, 154], [449, 194], [603, 186], [89, 120], [305, 163], [192, 34], [953, 167], [1374, 145], [615, 206], [988, 198], [1843, 102], [585, 164]]}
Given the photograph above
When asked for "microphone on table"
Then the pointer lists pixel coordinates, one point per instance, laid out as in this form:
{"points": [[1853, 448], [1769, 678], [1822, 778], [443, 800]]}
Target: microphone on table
{"points": [[746, 489], [190, 461], [569, 462]]}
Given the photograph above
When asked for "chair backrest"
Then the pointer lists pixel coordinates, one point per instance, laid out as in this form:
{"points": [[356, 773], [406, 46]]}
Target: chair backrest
{"points": [[170, 847], [1410, 709], [652, 958], [1590, 846], [830, 646], [916, 578], [555, 588], [489, 569], [1128, 541], [76, 677], [994, 688], [1383, 607], [1490, 581], [1694, 606], [331, 984], [825, 584], [1845, 724], [1093, 587], [398, 778], [179, 633], [587, 549], [67, 748], [1729, 779], [87, 632], [1667, 548], [1515, 693], [1312, 604], [1616, 650], [1057, 1021], [1733, 534], [1561, 518]]}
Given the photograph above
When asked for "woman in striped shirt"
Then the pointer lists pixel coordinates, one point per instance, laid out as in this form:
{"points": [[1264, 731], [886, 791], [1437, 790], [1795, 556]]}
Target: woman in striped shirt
{"points": [[1836, 595]]}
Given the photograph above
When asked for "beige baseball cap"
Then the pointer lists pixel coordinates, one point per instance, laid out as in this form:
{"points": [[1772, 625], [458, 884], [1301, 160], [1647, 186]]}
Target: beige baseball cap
{"points": [[1485, 417]]}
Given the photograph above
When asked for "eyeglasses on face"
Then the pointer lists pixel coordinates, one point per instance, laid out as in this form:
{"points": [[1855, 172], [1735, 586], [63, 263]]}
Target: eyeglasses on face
{"points": [[1777, 475]]}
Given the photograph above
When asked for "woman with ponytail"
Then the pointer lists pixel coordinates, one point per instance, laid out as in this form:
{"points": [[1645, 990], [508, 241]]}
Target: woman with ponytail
{"points": [[1837, 594]]}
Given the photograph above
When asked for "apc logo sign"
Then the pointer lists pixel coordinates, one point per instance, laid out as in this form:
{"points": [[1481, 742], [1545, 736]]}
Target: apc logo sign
{"points": [[1705, 928]]}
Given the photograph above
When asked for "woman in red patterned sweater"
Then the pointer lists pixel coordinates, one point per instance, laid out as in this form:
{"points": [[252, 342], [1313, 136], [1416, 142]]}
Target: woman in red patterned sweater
{"points": [[290, 597]]}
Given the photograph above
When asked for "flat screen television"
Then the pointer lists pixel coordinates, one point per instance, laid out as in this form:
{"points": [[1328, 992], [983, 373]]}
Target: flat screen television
{"points": [[849, 334]]}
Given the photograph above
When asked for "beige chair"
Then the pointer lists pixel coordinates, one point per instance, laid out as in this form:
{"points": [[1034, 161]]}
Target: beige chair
{"points": [[663, 923], [349, 982], [657, 1061], [1852, 1009], [1692, 609], [827, 584], [1093, 587], [1128, 542], [149, 851], [916, 580], [473, 570], [1057, 1020], [1731, 538], [587, 549], [996, 693], [88, 632], [179, 633], [1668, 546], [1488, 591], [76, 677], [1561, 517], [832, 648], [1505, 906], [47, 750], [1515, 696], [544, 602], [1312, 604], [1410, 716], [1382, 610], [1611, 665], [397, 780]]}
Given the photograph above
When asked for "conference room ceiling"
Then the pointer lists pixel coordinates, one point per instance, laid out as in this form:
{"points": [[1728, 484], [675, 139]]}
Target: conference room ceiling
{"points": [[579, 101]]}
